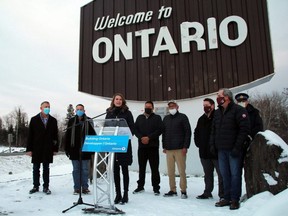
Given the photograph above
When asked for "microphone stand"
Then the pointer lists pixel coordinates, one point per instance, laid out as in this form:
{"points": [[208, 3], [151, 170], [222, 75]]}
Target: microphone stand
{"points": [[82, 123]]}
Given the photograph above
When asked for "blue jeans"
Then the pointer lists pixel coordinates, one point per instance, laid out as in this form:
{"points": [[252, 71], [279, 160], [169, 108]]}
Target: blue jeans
{"points": [[80, 181], [36, 175], [231, 171]]}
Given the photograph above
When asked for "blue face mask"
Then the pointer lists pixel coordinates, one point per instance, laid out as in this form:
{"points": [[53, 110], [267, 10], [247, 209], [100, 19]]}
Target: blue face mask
{"points": [[46, 110], [79, 113]]}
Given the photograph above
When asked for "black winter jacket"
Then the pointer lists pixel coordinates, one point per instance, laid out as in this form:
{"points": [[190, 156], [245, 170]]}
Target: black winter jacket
{"points": [[202, 136], [230, 127], [80, 129], [176, 132], [42, 141], [151, 127], [255, 120], [123, 158]]}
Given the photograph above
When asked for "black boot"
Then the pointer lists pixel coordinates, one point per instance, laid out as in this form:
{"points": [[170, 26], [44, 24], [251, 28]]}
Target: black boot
{"points": [[125, 198], [118, 198]]}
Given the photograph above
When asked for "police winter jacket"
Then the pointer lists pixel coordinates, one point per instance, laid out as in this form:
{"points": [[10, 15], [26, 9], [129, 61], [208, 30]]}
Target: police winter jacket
{"points": [[230, 127], [255, 120], [176, 132], [151, 127]]}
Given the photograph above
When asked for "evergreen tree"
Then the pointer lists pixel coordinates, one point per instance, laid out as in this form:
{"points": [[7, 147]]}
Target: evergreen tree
{"points": [[70, 112]]}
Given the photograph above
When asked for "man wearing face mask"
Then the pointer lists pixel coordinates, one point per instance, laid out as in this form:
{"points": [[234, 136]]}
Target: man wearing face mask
{"points": [[209, 161], [77, 128], [230, 128], [42, 144], [256, 125], [176, 140], [148, 128]]}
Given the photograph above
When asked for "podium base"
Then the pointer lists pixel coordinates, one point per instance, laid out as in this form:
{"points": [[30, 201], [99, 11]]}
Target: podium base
{"points": [[105, 210]]}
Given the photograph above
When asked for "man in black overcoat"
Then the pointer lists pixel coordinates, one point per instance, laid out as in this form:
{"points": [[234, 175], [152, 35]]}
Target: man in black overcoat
{"points": [[42, 144]]}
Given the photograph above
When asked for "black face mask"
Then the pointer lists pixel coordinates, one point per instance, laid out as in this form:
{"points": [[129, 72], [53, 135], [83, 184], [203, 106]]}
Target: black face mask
{"points": [[207, 109], [148, 111]]}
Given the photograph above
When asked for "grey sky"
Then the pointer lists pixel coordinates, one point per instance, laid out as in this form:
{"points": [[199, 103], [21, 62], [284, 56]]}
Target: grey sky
{"points": [[39, 48]]}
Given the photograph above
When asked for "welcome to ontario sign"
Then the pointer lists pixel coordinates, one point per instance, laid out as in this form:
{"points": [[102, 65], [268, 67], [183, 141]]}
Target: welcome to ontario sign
{"points": [[177, 49]]}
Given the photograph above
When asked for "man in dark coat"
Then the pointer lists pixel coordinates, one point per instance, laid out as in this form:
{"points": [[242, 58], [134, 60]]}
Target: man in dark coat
{"points": [[148, 128], [256, 125], [256, 122], [42, 144], [230, 129], [209, 161], [176, 140], [79, 126]]}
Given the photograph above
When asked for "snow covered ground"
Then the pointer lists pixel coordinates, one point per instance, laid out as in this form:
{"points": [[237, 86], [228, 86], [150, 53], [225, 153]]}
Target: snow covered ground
{"points": [[16, 181]]}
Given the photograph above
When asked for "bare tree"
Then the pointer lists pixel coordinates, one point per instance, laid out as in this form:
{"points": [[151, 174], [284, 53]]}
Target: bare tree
{"points": [[21, 126], [16, 122], [273, 109]]}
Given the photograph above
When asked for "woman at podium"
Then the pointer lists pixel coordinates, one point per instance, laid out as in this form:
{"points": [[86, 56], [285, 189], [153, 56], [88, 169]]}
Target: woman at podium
{"points": [[119, 109]]}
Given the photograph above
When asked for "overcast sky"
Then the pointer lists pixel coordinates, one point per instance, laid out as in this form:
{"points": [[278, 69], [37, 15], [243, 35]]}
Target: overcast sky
{"points": [[39, 54]]}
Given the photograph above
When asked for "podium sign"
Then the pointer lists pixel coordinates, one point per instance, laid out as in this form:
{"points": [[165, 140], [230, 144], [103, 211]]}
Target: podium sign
{"points": [[104, 143], [112, 136]]}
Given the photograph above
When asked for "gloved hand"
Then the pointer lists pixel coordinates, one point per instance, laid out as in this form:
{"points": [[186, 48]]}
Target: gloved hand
{"points": [[235, 153]]}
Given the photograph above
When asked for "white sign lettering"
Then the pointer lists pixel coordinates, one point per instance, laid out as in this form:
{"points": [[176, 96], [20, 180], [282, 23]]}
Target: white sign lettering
{"points": [[164, 41]]}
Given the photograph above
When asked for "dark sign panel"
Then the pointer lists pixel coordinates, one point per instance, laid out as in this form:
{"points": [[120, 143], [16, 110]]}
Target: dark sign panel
{"points": [[175, 49]]}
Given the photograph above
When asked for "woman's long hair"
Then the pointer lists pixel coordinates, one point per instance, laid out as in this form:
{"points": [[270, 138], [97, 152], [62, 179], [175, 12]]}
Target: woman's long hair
{"points": [[123, 106]]}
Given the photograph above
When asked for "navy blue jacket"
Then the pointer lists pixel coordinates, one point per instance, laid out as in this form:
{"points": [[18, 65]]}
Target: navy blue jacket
{"points": [[176, 132], [230, 127]]}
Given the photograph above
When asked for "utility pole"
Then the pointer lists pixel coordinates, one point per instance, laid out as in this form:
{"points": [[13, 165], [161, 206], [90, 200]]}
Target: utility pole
{"points": [[16, 140], [10, 140]]}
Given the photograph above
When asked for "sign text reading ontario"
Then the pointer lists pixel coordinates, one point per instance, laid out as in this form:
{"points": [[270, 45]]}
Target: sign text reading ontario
{"points": [[164, 40]]}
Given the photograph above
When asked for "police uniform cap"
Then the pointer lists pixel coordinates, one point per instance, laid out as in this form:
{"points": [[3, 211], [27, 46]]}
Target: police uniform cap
{"points": [[241, 96]]}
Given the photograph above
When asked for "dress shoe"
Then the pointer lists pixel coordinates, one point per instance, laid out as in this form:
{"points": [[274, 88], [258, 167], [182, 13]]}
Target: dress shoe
{"points": [[222, 203], [234, 205], [204, 196]]}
